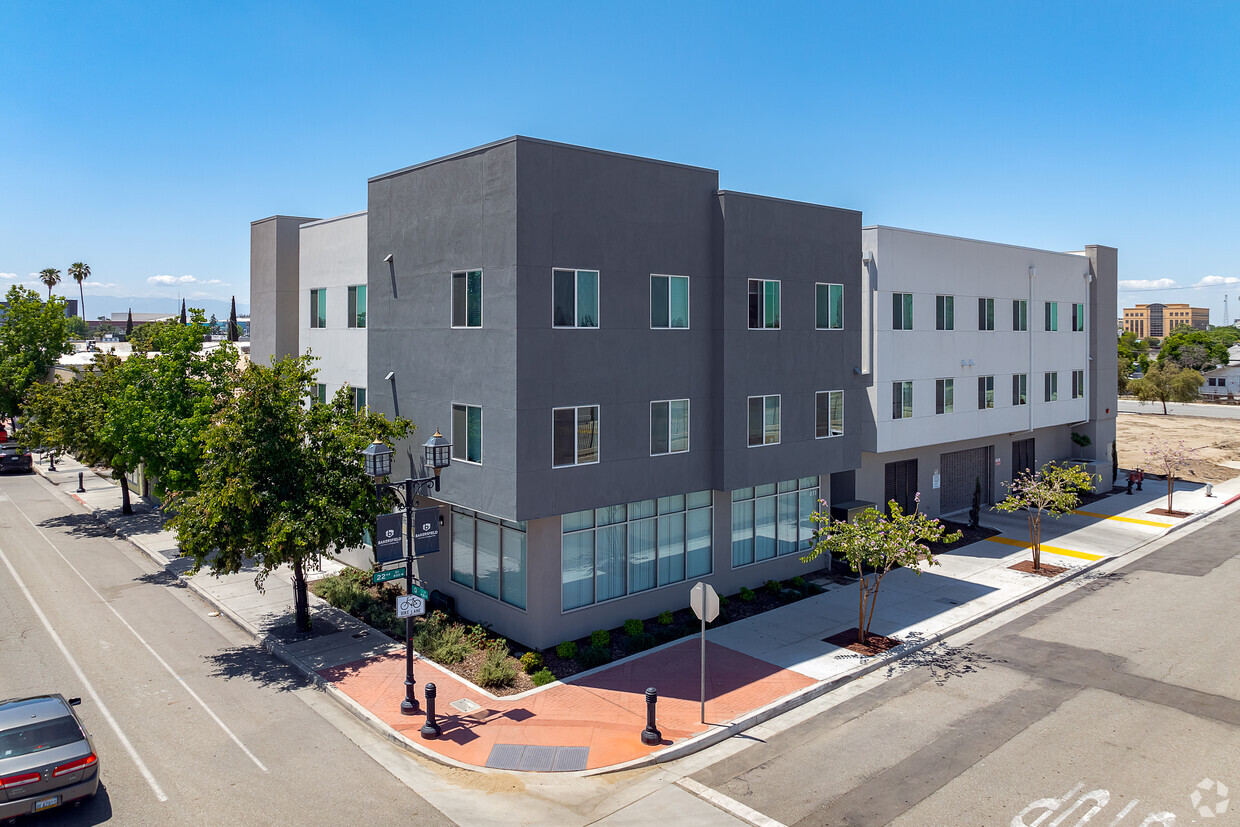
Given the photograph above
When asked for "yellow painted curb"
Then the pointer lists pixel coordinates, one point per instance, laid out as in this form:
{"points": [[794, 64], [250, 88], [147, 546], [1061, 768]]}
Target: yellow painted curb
{"points": [[1066, 552], [1123, 519]]}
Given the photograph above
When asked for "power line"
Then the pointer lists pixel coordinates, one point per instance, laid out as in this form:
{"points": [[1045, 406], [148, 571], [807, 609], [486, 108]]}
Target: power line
{"points": [[1165, 289]]}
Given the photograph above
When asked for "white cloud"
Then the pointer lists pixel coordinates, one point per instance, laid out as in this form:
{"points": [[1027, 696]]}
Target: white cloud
{"points": [[1147, 284], [8, 276], [1210, 281], [96, 286], [173, 281]]}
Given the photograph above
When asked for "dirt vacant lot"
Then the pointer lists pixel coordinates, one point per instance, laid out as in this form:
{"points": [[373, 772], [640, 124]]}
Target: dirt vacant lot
{"points": [[1217, 440]]}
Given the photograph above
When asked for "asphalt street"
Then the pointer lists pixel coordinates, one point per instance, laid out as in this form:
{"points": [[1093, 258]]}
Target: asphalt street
{"points": [[1216, 411], [1117, 702], [194, 724]]}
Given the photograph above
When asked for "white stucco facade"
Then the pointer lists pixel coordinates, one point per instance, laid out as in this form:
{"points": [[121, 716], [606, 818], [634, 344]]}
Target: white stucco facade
{"points": [[333, 258]]}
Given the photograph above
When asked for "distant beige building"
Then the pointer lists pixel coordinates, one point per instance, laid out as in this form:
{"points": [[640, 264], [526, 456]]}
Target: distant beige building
{"points": [[1158, 320]]}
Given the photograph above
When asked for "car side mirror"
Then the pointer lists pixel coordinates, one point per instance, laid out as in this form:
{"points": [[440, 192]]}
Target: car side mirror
{"points": [[74, 701]]}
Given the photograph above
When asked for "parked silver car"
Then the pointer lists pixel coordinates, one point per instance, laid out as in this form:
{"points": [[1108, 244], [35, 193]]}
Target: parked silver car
{"points": [[46, 756]]}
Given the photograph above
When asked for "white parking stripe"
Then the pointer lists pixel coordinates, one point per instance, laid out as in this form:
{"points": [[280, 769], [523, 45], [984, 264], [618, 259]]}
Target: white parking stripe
{"points": [[150, 779], [729, 805], [154, 654]]}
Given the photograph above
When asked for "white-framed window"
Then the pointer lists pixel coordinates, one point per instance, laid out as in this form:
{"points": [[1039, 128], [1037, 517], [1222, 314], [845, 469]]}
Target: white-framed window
{"points": [[901, 311], [902, 400], [318, 307], [467, 433], [1078, 317], [320, 393], [985, 392], [575, 436], [764, 304], [618, 550], [829, 306], [359, 398], [944, 312], [944, 396], [1052, 315], [1020, 314], [356, 308], [1051, 387], [763, 420], [489, 555], [669, 302], [574, 298], [467, 298], [772, 520], [985, 314], [1020, 389], [828, 414], [1078, 384], [669, 427]]}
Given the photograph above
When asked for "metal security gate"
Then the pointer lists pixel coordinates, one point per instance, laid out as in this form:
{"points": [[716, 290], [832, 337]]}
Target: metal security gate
{"points": [[961, 471], [901, 483], [1022, 455]]}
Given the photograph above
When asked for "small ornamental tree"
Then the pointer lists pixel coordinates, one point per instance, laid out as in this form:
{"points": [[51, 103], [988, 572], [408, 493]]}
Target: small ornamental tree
{"points": [[1054, 490], [880, 542], [1168, 458]]}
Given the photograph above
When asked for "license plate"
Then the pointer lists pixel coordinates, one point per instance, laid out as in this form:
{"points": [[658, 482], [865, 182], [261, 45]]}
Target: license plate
{"points": [[46, 803]]}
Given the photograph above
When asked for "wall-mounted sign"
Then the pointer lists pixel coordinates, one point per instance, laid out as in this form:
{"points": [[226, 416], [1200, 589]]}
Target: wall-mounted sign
{"points": [[389, 538], [935, 480], [425, 531]]}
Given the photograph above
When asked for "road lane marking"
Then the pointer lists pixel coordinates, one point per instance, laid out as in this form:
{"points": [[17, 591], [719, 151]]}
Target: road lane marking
{"points": [[133, 753], [1123, 519], [729, 805], [1066, 552], [142, 640]]}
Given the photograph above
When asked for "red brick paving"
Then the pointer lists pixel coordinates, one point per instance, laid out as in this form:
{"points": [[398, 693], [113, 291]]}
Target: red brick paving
{"points": [[605, 710]]}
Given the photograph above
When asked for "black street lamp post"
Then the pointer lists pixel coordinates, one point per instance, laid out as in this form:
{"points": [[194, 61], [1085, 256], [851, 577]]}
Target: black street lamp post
{"points": [[378, 461]]}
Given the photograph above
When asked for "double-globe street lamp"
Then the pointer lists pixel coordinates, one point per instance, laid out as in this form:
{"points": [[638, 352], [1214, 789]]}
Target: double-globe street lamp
{"points": [[378, 461]]}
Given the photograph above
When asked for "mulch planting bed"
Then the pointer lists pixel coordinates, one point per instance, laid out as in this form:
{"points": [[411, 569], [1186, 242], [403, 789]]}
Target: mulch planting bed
{"points": [[468, 669], [1047, 569], [1162, 512], [874, 644]]}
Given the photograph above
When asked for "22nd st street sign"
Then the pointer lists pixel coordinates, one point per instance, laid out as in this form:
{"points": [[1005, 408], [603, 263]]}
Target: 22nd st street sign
{"points": [[384, 576]]}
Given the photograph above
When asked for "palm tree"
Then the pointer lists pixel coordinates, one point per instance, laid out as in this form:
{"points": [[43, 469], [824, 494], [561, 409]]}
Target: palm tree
{"points": [[50, 277], [80, 272]]}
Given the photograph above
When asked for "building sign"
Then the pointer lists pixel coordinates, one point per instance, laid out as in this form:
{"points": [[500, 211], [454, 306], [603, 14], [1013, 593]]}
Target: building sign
{"points": [[389, 538], [425, 531]]}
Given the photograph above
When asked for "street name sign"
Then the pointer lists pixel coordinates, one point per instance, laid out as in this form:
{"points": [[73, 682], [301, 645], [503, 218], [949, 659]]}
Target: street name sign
{"points": [[410, 605], [421, 592], [390, 574]]}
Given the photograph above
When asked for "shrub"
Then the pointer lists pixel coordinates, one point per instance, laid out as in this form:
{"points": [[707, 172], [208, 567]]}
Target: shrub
{"points": [[567, 649], [477, 636], [441, 641], [542, 677], [531, 662], [774, 587], [814, 588], [798, 582], [665, 618], [496, 668], [723, 603], [641, 642], [747, 595], [594, 655], [600, 638], [634, 627]]}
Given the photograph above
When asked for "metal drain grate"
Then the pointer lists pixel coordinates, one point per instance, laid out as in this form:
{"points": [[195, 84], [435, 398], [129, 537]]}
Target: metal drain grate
{"points": [[537, 759]]}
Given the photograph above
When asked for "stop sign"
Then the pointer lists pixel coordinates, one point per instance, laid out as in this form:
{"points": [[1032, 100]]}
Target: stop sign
{"points": [[704, 602]]}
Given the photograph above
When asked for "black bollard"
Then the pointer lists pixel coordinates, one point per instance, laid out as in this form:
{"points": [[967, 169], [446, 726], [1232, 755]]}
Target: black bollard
{"points": [[430, 730], [1129, 491], [51, 462], [81, 487], [1140, 478], [651, 734]]}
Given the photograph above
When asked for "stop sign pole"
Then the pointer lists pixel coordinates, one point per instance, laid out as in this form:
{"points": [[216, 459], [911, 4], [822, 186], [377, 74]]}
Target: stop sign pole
{"points": [[705, 604]]}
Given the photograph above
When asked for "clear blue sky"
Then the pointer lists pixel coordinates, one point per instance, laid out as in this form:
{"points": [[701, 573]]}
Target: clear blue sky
{"points": [[143, 137]]}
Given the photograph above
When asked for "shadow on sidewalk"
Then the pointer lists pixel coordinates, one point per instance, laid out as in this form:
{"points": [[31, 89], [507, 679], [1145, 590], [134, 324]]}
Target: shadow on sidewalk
{"points": [[78, 525]]}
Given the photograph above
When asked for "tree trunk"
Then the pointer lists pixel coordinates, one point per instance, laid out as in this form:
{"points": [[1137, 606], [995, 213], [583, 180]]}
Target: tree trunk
{"points": [[126, 506], [1164, 406], [1170, 490], [301, 600], [1035, 540], [861, 608]]}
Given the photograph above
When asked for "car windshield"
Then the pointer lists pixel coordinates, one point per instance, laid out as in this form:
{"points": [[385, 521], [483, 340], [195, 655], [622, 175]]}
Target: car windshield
{"points": [[24, 740]]}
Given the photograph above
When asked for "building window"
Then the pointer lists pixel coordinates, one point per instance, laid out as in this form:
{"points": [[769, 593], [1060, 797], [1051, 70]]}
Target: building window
{"points": [[901, 400], [1052, 387], [320, 393], [829, 306], [359, 398], [828, 414], [773, 520], [575, 435], [985, 314], [944, 395], [763, 304], [669, 427], [1020, 388], [1052, 315], [669, 302], [467, 299], [357, 306], [1078, 384], [764, 420], [467, 433], [318, 307], [985, 393], [575, 293], [944, 312], [1020, 314], [1078, 317], [488, 556], [619, 550], [901, 311]]}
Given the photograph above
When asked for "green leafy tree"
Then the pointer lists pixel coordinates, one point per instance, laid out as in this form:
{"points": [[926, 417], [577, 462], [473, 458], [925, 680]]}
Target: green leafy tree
{"points": [[129, 324], [1167, 382], [32, 339], [80, 272], [1054, 490], [880, 542], [76, 327], [1169, 458], [50, 277], [183, 318], [1194, 349], [233, 332], [281, 480]]}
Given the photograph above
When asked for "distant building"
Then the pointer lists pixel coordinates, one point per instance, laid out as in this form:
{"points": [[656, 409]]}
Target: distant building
{"points": [[1158, 320]]}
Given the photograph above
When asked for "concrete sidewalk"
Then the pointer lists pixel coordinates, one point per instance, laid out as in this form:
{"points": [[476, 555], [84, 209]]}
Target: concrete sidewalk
{"points": [[756, 668]]}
